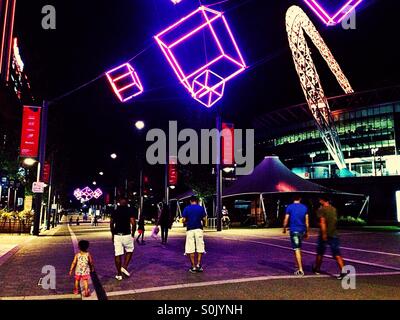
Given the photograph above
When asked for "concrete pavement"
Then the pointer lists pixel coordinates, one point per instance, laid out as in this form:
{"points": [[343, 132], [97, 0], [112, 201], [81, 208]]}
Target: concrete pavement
{"points": [[239, 264]]}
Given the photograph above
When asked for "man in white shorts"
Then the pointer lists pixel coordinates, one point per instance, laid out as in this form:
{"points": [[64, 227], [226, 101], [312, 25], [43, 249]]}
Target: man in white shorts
{"points": [[122, 225], [194, 216]]}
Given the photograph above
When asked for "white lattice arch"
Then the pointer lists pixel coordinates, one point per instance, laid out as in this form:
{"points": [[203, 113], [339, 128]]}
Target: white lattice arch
{"points": [[297, 24]]}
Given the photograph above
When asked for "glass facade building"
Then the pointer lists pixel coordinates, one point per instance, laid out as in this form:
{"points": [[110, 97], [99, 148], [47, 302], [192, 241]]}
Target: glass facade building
{"points": [[369, 134]]}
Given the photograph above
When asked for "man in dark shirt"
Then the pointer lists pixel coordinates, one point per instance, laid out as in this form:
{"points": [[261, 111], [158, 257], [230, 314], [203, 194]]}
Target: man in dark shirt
{"points": [[327, 216], [122, 225], [194, 217]]}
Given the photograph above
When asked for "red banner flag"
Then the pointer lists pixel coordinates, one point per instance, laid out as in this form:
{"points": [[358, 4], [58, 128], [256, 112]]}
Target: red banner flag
{"points": [[30, 132], [228, 152], [46, 172], [173, 171]]}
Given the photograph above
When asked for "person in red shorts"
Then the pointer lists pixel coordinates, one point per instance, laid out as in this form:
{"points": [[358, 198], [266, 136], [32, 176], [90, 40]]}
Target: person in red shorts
{"points": [[82, 265]]}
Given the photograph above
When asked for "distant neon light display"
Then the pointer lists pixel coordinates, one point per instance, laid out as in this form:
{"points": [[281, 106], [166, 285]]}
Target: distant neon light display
{"points": [[78, 194], [176, 1], [97, 193], [335, 18], [87, 194], [203, 53], [125, 82]]}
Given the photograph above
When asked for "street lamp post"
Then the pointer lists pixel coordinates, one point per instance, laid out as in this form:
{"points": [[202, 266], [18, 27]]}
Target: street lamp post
{"points": [[42, 157], [49, 209], [374, 151], [218, 172], [312, 156], [140, 125]]}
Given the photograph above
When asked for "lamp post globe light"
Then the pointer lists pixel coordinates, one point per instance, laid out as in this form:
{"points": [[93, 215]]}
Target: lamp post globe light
{"points": [[113, 156], [374, 152], [29, 161], [139, 125], [312, 156], [101, 173]]}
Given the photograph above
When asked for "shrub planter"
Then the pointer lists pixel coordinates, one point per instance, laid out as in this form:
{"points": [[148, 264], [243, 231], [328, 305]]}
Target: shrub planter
{"points": [[15, 226]]}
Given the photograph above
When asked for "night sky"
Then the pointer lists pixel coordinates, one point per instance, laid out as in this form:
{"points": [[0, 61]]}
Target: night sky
{"points": [[94, 36]]}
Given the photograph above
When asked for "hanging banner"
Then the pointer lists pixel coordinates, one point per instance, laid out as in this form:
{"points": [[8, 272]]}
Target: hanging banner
{"points": [[46, 172], [30, 132], [228, 152], [173, 171]]}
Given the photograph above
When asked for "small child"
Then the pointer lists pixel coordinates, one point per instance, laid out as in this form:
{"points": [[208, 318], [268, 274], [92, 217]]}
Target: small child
{"points": [[82, 265], [140, 230]]}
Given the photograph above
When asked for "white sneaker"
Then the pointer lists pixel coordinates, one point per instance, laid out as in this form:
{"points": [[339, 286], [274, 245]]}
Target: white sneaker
{"points": [[119, 278], [125, 272]]}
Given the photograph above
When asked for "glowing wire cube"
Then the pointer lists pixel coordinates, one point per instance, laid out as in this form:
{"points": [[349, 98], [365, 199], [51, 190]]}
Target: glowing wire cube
{"points": [[338, 16], [86, 194], [208, 88], [203, 53], [78, 194], [97, 193], [125, 82]]}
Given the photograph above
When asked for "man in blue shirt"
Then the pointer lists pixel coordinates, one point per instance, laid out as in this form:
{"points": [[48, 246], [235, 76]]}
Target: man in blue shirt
{"points": [[297, 219], [194, 216]]}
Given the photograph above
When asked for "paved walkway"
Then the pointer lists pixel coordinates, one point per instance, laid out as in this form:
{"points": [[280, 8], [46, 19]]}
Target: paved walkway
{"points": [[239, 264]]}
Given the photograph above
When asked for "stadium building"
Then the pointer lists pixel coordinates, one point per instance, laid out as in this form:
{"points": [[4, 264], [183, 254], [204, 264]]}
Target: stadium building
{"points": [[368, 125]]}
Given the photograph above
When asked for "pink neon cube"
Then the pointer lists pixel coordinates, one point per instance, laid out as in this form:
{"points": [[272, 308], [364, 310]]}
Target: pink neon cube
{"points": [[202, 45], [87, 194], [97, 193], [78, 194], [208, 88], [125, 82]]}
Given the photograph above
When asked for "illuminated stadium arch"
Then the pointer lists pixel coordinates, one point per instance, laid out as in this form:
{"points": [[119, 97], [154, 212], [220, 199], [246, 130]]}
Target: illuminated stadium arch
{"points": [[297, 24]]}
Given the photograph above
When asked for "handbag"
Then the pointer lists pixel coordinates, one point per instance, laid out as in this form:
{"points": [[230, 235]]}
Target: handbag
{"points": [[155, 232]]}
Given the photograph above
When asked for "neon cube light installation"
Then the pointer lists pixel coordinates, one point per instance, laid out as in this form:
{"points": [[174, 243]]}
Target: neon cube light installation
{"points": [[332, 19], [86, 194], [78, 194], [203, 53], [125, 82], [97, 193]]}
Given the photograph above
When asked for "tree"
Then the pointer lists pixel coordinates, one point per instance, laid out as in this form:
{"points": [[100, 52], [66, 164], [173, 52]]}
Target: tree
{"points": [[200, 179]]}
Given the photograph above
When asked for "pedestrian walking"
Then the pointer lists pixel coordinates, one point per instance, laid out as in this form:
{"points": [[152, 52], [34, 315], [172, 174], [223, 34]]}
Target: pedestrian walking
{"points": [[298, 221], [226, 221], [81, 266], [141, 230], [96, 221], [164, 221], [328, 236], [122, 225], [70, 221], [194, 216], [77, 221]]}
